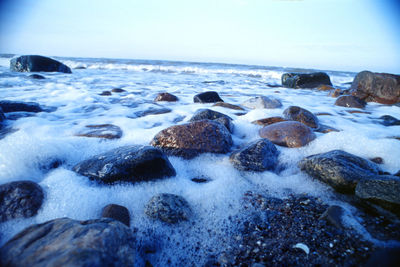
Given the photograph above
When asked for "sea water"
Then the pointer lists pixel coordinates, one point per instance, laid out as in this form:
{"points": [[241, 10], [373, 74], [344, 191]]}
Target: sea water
{"points": [[74, 102]]}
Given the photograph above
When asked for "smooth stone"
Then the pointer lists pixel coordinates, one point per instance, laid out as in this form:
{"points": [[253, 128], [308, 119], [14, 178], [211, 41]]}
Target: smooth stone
{"points": [[388, 120], [305, 80], [166, 97], [70, 243], [350, 101], [325, 129], [333, 215], [339, 169], [156, 110], [118, 90], [168, 208], [37, 76], [17, 106], [21, 199], [324, 87], [268, 121], [302, 115], [227, 105], [105, 93], [107, 131], [126, 164], [208, 114], [377, 160], [34, 63], [116, 212], [288, 133], [200, 180], [259, 102], [257, 156], [207, 97]]}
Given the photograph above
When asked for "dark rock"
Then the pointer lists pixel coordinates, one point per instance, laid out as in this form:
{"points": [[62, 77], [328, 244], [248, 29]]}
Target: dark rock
{"points": [[333, 215], [227, 105], [36, 76], [262, 102], [155, 110], [288, 133], [66, 242], [305, 80], [383, 88], [126, 164], [80, 68], [118, 90], [168, 208], [207, 97], [16, 106], [200, 180], [105, 93], [339, 169], [397, 174], [258, 156], [388, 257], [21, 199], [350, 102], [388, 120], [190, 139], [33, 63], [107, 131], [268, 121], [377, 160], [116, 212], [166, 97], [221, 82], [208, 114], [302, 115], [2, 117]]}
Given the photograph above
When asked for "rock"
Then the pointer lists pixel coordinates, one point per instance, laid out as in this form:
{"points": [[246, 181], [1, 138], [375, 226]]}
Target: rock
{"points": [[326, 129], [397, 174], [324, 87], [118, 90], [116, 212], [333, 215], [336, 93], [2, 117], [383, 88], [200, 180], [388, 120], [155, 110], [33, 63], [207, 97], [383, 190], [168, 208], [105, 93], [262, 102], [107, 131], [288, 133], [208, 114], [258, 156], [305, 80], [36, 76], [126, 164], [21, 199], [227, 105], [389, 257], [339, 169], [17, 106], [166, 97], [190, 139], [66, 242], [350, 102], [302, 115], [377, 160], [268, 121]]}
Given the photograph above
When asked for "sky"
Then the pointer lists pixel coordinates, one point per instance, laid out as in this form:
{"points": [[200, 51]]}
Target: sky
{"points": [[352, 35]]}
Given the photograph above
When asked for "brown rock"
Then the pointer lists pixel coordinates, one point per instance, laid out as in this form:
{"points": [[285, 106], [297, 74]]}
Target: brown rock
{"points": [[166, 97], [302, 115], [336, 93], [324, 87], [350, 102], [268, 121], [227, 105], [118, 90], [358, 111], [116, 212], [288, 133]]}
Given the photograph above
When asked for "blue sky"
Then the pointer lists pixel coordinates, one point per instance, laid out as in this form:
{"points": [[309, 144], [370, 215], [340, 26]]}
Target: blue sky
{"points": [[328, 34]]}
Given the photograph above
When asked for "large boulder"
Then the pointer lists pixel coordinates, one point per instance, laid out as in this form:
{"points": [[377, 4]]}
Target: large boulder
{"points": [[288, 133], [34, 63], [18, 106], [350, 101], [190, 139], [21, 199], [259, 102], [302, 115], [168, 208], [258, 156], [339, 169], [305, 80], [126, 164], [207, 97], [208, 114], [66, 242], [377, 87]]}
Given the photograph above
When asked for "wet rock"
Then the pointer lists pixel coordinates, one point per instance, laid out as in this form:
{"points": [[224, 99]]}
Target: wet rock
{"points": [[116, 212], [268, 121], [21, 199], [305, 80], [118, 90], [208, 114], [262, 102], [190, 139], [66, 242], [389, 257], [333, 215], [200, 180], [258, 156], [168, 208], [336, 93], [383, 88], [339, 169], [105, 93], [17, 106], [166, 97], [34, 63], [80, 68], [388, 120], [377, 160], [107, 131], [288, 133], [350, 102], [227, 105], [36, 76], [126, 164], [155, 110], [324, 87], [326, 129], [302, 115], [207, 97]]}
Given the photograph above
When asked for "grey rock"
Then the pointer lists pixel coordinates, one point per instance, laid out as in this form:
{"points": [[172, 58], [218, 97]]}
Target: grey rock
{"points": [[34, 63], [37, 76], [66, 242], [305, 80], [259, 102], [302, 115], [208, 114], [350, 102], [107, 131], [333, 215], [127, 164], [168, 208], [207, 97], [116, 212], [17, 106], [118, 90]]}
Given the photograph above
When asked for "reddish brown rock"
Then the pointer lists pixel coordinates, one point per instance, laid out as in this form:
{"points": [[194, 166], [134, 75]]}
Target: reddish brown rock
{"points": [[302, 115], [268, 121], [336, 93], [324, 87], [166, 97], [227, 105], [288, 133], [350, 102]]}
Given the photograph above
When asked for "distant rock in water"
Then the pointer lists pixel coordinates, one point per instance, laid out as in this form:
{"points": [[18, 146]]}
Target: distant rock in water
{"points": [[268, 121], [302, 115], [127, 164], [34, 63], [66, 242], [118, 90], [207, 97], [166, 97], [36, 76], [21, 199], [383, 88], [262, 102], [208, 114], [388, 120], [105, 93], [305, 80], [350, 102], [324, 87], [116, 212], [107, 131], [2, 117], [227, 105], [168, 208], [16, 106]]}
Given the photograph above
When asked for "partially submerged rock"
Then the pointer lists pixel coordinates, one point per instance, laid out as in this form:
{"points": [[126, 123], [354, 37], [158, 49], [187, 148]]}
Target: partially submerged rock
{"points": [[208, 114], [168, 208], [152, 110], [105, 93], [37, 76], [305, 80], [350, 102], [227, 105], [324, 87], [118, 90], [268, 121], [34, 63], [333, 215], [388, 120], [262, 102], [166, 97], [107, 131], [207, 97], [116, 212], [302, 115], [18, 106]]}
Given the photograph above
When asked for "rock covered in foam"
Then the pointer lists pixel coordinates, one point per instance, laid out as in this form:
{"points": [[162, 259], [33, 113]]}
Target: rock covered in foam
{"points": [[207, 97], [350, 102], [302, 115], [107, 131], [305, 80], [67, 242], [288, 133], [32, 63], [166, 97], [190, 139], [168, 208], [208, 114], [21, 199], [116, 212], [227, 105], [17, 106], [127, 164], [262, 102]]}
